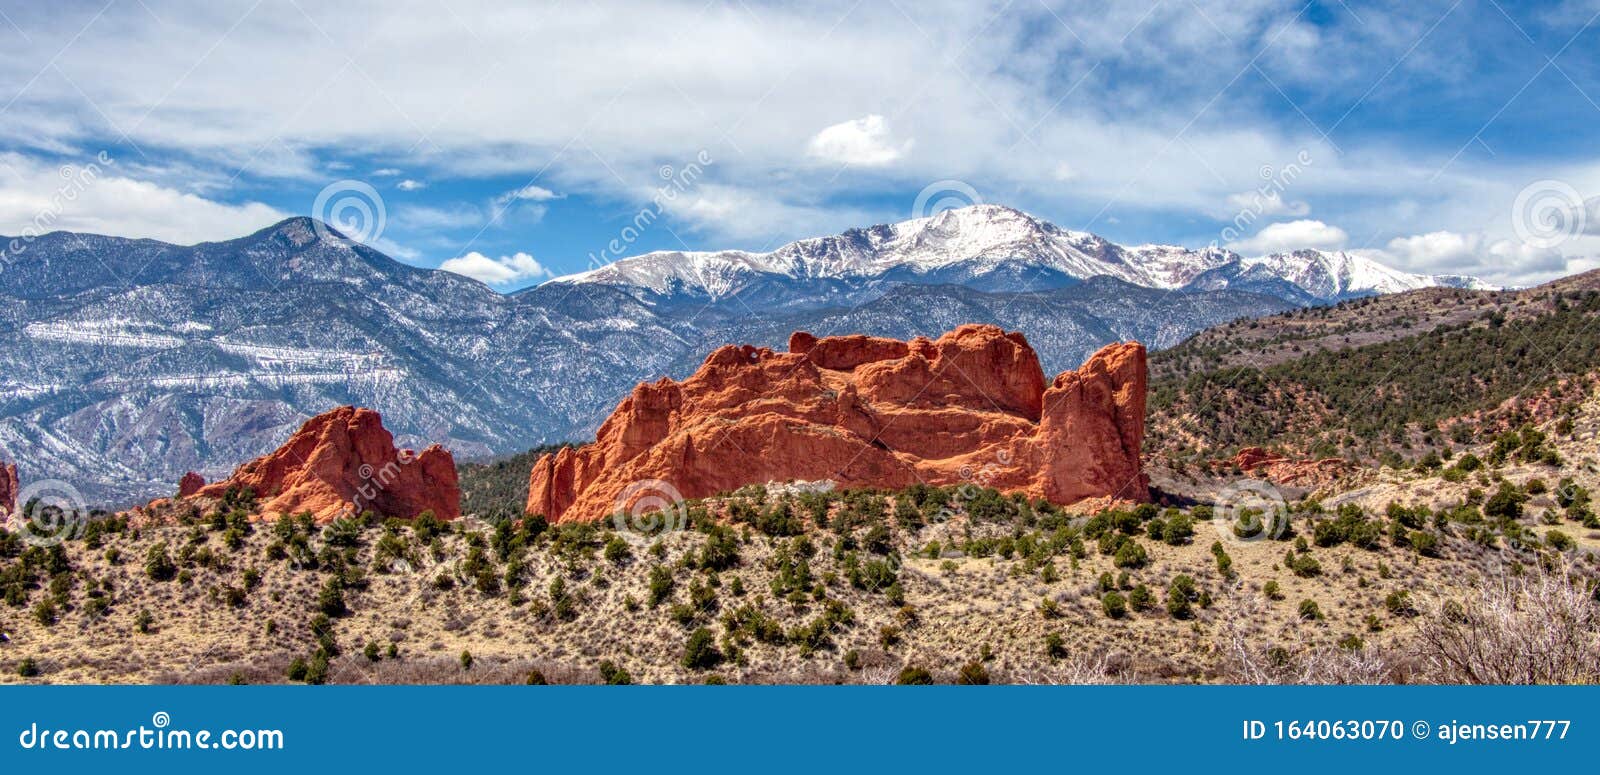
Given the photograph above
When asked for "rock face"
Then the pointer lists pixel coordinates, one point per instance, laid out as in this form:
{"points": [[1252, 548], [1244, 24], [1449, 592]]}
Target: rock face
{"points": [[190, 484], [970, 406], [343, 462], [8, 489], [1278, 468]]}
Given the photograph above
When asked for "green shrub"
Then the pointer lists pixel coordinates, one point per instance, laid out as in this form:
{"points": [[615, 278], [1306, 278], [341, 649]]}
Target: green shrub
{"points": [[701, 653], [912, 675], [1131, 555], [660, 584], [330, 599], [158, 565], [613, 675], [1559, 541], [1309, 610], [973, 674], [1115, 605]]}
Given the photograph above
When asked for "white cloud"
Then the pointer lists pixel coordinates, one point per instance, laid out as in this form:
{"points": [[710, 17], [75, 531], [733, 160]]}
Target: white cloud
{"points": [[1292, 235], [1448, 252], [1141, 99], [1267, 204], [434, 218], [863, 142], [532, 193], [37, 198], [411, 185], [502, 271]]}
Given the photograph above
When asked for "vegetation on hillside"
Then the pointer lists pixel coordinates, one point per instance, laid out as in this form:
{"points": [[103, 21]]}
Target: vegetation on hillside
{"points": [[496, 489], [858, 585], [1395, 394]]}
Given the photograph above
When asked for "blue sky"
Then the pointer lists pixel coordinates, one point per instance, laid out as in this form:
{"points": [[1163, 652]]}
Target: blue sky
{"points": [[514, 143]]}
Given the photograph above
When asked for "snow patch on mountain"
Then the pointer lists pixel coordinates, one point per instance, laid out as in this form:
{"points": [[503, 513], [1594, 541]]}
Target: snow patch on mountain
{"points": [[971, 242]]}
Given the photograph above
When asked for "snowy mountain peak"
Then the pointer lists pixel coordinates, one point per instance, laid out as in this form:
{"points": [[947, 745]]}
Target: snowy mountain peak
{"points": [[989, 245]]}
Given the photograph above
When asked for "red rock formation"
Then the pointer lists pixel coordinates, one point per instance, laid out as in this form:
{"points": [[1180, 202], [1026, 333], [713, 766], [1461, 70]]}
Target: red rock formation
{"points": [[8, 489], [972, 405], [1284, 470], [344, 462], [190, 484]]}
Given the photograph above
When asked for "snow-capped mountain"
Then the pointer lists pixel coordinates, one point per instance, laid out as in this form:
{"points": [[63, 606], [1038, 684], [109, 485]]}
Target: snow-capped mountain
{"points": [[125, 363], [985, 245]]}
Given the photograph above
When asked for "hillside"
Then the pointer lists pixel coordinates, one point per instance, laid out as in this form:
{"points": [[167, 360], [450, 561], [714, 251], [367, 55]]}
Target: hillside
{"points": [[1384, 378]]}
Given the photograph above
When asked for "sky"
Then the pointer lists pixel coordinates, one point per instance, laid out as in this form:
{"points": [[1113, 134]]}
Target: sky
{"points": [[516, 143]]}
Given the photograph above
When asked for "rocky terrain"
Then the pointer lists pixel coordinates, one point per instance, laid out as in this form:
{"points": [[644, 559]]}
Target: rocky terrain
{"points": [[859, 411], [341, 463], [1478, 564], [9, 486], [957, 584], [126, 363]]}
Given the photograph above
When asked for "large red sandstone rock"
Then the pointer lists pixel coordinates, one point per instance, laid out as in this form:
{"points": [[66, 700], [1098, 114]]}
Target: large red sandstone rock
{"points": [[190, 484], [343, 462], [8, 489], [972, 405]]}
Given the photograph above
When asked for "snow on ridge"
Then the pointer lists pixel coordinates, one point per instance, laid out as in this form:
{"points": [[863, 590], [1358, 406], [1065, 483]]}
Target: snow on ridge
{"points": [[983, 237]]}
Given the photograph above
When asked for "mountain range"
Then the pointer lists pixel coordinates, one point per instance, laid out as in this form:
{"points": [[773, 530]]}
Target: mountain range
{"points": [[125, 363]]}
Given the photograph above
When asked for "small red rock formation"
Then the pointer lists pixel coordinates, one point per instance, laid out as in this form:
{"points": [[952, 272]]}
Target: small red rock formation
{"points": [[343, 462], [972, 405], [190, 484], [1284, 470], [8, 489]]}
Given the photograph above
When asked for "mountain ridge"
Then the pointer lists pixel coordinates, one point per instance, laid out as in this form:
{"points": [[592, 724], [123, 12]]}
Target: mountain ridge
{"points": [[975, 240], [125, 364]]}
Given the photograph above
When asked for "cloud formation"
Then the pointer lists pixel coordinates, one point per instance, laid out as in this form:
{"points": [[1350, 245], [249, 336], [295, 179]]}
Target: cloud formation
{"points": [[1290, 236], [502, 271], [863, 142]]}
